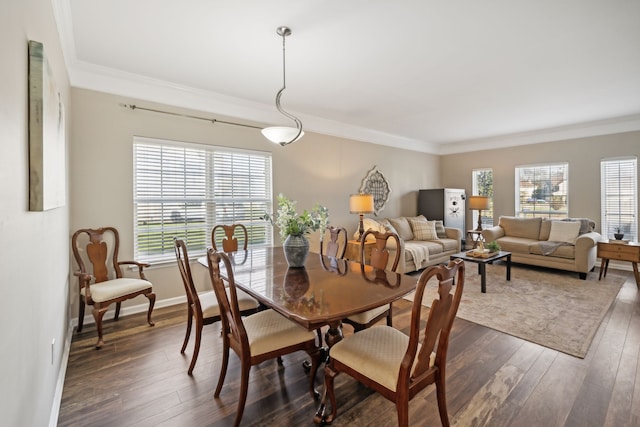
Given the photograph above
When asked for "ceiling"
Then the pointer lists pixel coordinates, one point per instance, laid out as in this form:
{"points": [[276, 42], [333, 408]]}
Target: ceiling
{"points": [[433, 76]]}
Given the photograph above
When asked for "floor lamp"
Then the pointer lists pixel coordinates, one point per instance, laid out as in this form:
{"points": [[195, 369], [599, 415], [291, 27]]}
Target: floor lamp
{"points": [[361, 204], [478, 203]]}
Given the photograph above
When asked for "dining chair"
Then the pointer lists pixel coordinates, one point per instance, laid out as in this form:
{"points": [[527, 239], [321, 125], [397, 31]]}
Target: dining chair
{"points": [[337, 246], [229, 241], [104, 284], [256, 338], [379, 259], [397, 365], [202, 307]]}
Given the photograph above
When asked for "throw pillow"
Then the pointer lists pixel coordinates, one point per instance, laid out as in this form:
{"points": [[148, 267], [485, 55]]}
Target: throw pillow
{"points": [[564, 231], [423, 230], [440, 231], [402, 227]]}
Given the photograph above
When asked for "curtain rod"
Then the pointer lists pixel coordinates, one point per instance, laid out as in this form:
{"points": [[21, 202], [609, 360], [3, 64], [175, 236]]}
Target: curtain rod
{"points": [[213, 121]]}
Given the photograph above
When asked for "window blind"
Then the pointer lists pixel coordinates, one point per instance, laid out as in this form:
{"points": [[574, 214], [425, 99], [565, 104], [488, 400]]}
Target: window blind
{"points": [[619, 201], [183, 190], [542, 191]]}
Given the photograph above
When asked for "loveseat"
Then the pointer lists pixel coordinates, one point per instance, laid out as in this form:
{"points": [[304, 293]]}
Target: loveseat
{"points": [[569, 244], [422, 242]]}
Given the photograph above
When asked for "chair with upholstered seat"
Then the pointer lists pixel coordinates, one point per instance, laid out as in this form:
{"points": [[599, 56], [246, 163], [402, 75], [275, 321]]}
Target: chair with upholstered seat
{"points": [[394, 364], [336, 246], [202, 307], [104, 284], [229, 242], [379, 259], [256, 338]]}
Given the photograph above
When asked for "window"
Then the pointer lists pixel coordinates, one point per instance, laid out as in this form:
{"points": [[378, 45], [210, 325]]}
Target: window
{"points": [[618, 181], [542, 190], [182, 190], [483, 186]]}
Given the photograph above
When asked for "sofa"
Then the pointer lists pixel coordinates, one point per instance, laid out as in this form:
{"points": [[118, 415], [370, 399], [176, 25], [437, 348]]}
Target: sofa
{"points": [[422, 242], [569, 244]]}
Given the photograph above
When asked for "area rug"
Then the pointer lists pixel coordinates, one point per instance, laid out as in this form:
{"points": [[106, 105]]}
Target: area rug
{"points": [[549, 307]]}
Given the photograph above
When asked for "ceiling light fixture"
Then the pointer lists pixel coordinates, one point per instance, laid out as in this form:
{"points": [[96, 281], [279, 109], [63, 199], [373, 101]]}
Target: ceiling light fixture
{"points": [[280, 134]]}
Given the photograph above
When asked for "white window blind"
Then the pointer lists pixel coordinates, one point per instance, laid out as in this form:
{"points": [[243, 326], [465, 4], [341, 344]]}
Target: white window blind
{"points": [[183, 190], [542, 191], [619, 200], [482, 185]]}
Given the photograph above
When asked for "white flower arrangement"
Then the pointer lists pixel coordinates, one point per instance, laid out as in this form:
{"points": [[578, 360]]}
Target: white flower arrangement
{"points": [[290, 223]]}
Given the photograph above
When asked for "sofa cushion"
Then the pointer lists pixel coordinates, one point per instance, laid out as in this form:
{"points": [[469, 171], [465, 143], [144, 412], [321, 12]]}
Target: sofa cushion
{"points": [[423, 229], [545, 228], [528, 228], [447, 244], [401, 224], [564, 231], [433, 248], [515, 244], [568, 251], [440, 231]]}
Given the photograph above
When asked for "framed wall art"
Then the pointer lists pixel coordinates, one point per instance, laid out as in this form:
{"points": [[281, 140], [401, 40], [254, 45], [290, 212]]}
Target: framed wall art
{"points": [[376, 184], [47, 143]]}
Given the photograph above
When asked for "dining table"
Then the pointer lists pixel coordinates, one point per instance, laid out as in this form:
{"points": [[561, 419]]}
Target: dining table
{"points": [[322, 293]]}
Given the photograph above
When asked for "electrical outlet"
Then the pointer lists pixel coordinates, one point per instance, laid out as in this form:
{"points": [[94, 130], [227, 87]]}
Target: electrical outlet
{"points": [[53, 345]]}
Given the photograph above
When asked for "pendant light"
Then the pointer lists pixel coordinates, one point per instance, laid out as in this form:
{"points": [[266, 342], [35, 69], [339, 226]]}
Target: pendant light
{"points": [[281, 134]]}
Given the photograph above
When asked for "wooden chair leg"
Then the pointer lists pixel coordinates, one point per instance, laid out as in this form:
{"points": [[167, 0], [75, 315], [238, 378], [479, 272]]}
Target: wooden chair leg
{"points": [[402, 406], [98, 314], [390, 316], [244, 387], [315, 362], [196, 347], [152, 301], [80, 314], [223, 367], [188, 333], [442, 400], [117, 314], [329, 375]]}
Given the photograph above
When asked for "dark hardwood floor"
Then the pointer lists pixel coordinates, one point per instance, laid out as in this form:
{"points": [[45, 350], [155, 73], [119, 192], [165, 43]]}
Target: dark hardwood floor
{"points": [[139, 378]]}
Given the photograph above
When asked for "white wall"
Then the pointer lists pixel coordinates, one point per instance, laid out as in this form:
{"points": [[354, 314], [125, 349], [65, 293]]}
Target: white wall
{"points": [[34, 246], [317, 168]]}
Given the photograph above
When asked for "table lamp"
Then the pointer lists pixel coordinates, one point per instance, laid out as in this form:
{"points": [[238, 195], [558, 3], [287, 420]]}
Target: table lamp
{"points": [[478, 203], [361, 204]]}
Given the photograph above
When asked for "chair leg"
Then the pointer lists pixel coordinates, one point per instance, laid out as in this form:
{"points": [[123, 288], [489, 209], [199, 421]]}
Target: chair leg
{"points": [[223, 367], [196, 347], [98, 314], [244, 387], [390, 316], [442, 400], [315, 356], [152, 300], [403, 413], [80, 314], [117, 314], [329, 375], [188, 333]]}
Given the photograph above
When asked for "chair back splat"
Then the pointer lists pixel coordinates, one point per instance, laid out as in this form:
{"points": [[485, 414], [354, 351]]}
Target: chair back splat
{"points": [[336, 246], [230, 241]]}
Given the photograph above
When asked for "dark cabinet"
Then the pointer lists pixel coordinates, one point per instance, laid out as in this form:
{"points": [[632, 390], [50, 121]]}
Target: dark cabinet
{"points": [[446, 204]]}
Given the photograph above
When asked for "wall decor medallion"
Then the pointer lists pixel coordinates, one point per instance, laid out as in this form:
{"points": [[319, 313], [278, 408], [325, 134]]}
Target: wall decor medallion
{"points": [[376, 184]]}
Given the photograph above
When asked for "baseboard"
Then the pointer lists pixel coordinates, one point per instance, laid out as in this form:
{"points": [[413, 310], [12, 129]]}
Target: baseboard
{"points": [[134, 309], [57, 397]]}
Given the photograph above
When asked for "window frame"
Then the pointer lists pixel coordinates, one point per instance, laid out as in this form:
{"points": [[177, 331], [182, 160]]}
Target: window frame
{"points": [[179, 189], [611, 200]]}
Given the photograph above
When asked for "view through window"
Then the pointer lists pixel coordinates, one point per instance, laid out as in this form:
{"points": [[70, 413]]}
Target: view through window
{"points": [[619, 198], [182, 190], [542, 190], [483, 186]]}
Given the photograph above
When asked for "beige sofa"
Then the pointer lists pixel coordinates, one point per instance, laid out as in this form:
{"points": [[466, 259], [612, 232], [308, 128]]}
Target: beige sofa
{"points": [[566, 245], [422, 242]]}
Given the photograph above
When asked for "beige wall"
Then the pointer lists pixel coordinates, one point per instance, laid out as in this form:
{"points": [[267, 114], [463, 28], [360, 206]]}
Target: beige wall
{"points": [[34, 249], [583, 156], [317, 168]]}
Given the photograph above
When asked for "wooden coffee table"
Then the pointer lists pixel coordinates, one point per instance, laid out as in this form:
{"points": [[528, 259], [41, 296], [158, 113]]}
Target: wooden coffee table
{"points": [[482, 264]]}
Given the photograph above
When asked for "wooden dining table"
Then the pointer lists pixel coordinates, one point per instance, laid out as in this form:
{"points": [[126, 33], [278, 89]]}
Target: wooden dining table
{"points": [[322, 293]]}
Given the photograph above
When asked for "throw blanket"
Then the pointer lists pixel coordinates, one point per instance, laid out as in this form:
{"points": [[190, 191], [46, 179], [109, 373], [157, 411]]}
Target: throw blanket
{"points": [[548, 248], [417, 251]]}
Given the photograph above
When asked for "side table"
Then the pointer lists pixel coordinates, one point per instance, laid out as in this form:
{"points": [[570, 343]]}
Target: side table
{"points": [[352, 252], [619, 251]]}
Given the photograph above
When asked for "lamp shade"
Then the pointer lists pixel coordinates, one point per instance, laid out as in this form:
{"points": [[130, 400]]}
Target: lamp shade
{"points": [[361, 203], [480, 203], [281, 134]]}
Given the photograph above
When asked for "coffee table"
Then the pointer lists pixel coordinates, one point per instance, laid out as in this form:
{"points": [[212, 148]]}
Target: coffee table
{"points": [[482, 264]]}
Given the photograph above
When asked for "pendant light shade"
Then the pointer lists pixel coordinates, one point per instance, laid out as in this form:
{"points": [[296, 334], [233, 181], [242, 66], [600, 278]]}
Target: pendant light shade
{"points": [[280, 134]]}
